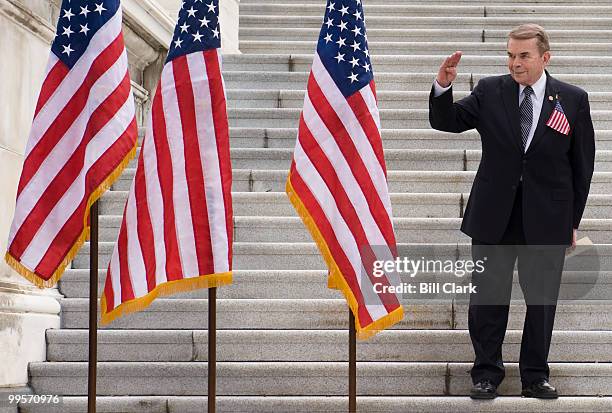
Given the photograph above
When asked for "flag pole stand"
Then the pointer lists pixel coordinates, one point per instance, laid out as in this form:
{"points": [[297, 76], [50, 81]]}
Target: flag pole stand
{"points": [[352, 364], [212, 348], [93, 308]]}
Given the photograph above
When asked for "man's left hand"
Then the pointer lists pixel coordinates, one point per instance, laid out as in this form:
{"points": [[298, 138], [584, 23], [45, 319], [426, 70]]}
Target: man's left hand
{"points": [[574, 238]]}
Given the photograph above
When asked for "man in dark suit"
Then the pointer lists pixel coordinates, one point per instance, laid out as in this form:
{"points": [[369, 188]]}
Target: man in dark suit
{"points": [[526, 201]]}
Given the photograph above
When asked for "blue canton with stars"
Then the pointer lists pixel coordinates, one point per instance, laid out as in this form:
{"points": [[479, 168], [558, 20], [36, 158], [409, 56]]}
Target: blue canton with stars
{"points": [[78, 21], [343, 45], [197, 28]]}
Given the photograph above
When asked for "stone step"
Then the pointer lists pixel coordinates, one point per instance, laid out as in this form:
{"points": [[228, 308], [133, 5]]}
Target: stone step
{"points": [[258, 229], [425, 205], [389, 118], [243, 98], [427, 10], [323, 314], [323, 404], [496, 48], [448, 2], [305, 256], [303, 284], [309, 345], [391, 138], [394, 81], [395, 159], [253, 180], [301, 378], [449, 22], [425, 35], [404, 205], [290, 229]]}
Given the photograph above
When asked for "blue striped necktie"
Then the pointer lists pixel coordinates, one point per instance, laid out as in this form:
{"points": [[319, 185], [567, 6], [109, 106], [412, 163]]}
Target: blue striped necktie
{"points": [[526, 111]]}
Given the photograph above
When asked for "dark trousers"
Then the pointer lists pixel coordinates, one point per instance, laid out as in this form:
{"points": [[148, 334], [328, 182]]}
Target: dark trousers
{"points": [[539, 269]]}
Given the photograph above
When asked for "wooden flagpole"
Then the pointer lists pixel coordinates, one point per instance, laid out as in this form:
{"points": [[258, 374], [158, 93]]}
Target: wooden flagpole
{"points": [[212, 348], [352, 364], [93, 308]]}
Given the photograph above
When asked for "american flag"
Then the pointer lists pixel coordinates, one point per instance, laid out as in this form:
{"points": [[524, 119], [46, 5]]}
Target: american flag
{"points": [[176, 233], [558, 121], [337, 181], [83, 133]]}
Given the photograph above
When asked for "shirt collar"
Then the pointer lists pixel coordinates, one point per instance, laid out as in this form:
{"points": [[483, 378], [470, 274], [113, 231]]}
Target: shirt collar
{"points": [[539, 87]]}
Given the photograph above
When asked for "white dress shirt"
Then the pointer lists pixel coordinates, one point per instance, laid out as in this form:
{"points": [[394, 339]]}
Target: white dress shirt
{"points": [[537, 100]]}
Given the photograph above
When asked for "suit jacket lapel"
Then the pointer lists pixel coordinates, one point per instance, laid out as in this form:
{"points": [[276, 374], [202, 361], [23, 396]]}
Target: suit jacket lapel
{"points": [[510, 90], [547, 108]]}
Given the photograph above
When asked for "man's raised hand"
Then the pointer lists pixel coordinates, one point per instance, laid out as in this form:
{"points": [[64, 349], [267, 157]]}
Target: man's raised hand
{"points": [[448, 69]]}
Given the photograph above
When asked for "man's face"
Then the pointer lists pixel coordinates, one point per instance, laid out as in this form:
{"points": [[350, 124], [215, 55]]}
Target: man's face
{"points": [[525, 62]]}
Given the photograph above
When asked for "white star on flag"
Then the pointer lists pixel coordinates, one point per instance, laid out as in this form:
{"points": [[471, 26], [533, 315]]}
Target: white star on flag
{"points": [[67, 31], [68, 14], [197, 37], [67, 50], [100, 8]]}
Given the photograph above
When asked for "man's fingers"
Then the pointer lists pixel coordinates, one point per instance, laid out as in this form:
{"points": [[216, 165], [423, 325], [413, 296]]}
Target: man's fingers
{"points": [[454, 58], [447, 62]]}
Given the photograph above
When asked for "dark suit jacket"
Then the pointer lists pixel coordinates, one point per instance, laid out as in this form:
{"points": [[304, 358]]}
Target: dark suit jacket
{"points": [[556, 168]]}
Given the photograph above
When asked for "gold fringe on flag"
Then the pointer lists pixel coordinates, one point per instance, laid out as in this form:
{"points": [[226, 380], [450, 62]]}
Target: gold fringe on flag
{"points": [[165, 289], [34, 278], [336, 279]]}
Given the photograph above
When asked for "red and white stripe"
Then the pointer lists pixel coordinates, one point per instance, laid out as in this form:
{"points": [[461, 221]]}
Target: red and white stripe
{"points": [[558, 121], [339, 175], [83, 130], [176, 232]]}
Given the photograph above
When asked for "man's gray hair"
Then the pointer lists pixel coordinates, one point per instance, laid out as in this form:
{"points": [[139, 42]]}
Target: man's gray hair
{"points": [[532, 31]]}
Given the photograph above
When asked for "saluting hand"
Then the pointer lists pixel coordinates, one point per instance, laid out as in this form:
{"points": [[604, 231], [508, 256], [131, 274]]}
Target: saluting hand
{"points": [[448, 69]]}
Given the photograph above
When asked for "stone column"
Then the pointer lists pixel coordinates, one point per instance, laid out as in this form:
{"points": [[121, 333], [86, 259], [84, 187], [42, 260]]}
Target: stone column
{"points": [[229, 16], [25, 311]]}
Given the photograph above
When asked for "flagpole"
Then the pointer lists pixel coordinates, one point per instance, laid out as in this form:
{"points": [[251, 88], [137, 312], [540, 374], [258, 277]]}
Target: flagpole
{"points": [[93, 308], [352, 364], [212, 348]]}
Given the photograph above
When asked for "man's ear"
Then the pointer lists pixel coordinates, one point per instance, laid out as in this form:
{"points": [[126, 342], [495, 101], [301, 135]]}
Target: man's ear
{"points": [[546, 57]]}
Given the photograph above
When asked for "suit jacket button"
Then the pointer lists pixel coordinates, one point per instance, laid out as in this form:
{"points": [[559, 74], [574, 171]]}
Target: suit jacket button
{"points": [[524, 161], [513, 186]]}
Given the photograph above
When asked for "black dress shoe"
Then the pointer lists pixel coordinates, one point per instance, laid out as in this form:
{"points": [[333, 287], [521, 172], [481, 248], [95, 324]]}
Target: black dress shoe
{"points": [[540, 389], [484, 389]]}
